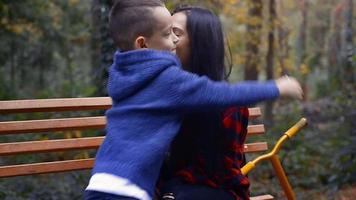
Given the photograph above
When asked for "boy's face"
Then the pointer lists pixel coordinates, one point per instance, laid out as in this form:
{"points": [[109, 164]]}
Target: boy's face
{"points": [[163, 37]]}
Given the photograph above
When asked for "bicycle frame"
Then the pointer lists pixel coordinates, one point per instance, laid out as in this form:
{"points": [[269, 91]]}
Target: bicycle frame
{"points": [[273, 157]]}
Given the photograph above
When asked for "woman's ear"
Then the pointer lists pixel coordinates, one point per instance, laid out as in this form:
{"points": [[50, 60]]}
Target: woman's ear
{"points": [[140, 42]]}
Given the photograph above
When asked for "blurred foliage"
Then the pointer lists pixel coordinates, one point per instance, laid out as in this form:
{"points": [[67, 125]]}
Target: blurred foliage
{"points": [[42, 45], [60, 48]]}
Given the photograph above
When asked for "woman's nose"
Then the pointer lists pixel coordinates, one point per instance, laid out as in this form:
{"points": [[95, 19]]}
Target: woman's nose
{"points": [[175, 38]]}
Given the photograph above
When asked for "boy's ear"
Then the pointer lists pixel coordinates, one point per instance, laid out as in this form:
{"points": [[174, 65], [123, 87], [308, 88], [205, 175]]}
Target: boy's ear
{"points": [[140, 42]]}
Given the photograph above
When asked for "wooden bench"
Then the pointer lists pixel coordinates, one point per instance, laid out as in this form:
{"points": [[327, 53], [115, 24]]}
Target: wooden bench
{"points": [[49, 125]]}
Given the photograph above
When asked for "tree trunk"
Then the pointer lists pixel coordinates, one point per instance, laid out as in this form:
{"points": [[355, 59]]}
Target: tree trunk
{"points": [[95, 45], [348, 51], [254, 27], [13, 80], [335, 44], [283, 44], [100, 12], [283, 49], [42, 66], [270, 58], [302, 37], [301, 45]]}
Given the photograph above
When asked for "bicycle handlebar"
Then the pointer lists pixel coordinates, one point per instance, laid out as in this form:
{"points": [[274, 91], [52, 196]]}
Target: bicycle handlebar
{"points": [[287, 135]]}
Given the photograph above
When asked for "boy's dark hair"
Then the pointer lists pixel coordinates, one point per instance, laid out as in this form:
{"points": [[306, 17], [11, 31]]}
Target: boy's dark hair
{"points": [[130, 19]]}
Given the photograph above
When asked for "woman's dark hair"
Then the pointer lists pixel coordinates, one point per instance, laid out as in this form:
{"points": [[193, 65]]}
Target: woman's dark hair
{"points": [[206, 43], [201, 133]]}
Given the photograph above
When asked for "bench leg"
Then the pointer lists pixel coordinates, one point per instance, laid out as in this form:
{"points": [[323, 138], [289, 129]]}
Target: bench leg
{"points": [[283, 180]]}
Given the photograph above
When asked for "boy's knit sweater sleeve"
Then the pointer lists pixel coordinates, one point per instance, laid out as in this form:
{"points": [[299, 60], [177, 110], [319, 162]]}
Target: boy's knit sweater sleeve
{"points": [[186, 91]]}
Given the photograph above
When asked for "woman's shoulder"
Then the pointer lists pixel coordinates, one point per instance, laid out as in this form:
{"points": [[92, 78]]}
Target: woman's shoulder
{"points": [[236, 110], [235, 118]]}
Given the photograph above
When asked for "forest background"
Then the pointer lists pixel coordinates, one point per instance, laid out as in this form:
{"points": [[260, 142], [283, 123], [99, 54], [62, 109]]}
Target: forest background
{"points": [[61, 48]]}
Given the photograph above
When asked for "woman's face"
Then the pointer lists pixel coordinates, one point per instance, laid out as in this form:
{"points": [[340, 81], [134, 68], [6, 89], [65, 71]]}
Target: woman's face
{"points": [[183, 46]]}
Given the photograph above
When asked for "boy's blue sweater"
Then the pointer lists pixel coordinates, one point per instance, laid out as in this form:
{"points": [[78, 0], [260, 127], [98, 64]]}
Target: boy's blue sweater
{"points": [[150, 94]]}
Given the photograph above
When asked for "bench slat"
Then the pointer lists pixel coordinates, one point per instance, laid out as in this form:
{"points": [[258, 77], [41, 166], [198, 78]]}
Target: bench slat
{"points": [[50, 145], [55, 105], [80, 123], [255, 129], [254, 112], [69, 165], [49, 167], [79, 143], [49, 125], [262, 197], [255, 147], [69, 104], [36, 126]]}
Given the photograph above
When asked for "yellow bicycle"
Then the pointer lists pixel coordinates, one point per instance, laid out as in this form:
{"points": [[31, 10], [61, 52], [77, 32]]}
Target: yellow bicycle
{"points": [[273, 157]]}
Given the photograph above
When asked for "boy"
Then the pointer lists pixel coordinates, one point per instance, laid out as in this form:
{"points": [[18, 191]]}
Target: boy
{"points": [[150, 95]]}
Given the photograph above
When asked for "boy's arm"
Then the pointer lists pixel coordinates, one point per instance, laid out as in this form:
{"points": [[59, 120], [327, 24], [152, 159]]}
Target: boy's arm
{"points": [[184, 91]]}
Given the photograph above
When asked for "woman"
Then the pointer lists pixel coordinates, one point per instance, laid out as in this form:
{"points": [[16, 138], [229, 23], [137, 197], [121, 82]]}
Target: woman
{"points": [[207, 154]]}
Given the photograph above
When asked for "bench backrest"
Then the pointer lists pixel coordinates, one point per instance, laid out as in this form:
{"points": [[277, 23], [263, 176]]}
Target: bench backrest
{"points": [[80, 123]]}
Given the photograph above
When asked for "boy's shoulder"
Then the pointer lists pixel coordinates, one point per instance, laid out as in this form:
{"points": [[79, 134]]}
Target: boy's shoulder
{"points": [[146, 55], [142, 59]]}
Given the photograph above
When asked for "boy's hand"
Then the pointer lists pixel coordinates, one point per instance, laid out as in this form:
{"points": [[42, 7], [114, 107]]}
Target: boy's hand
{"points": [[289, 87]]}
